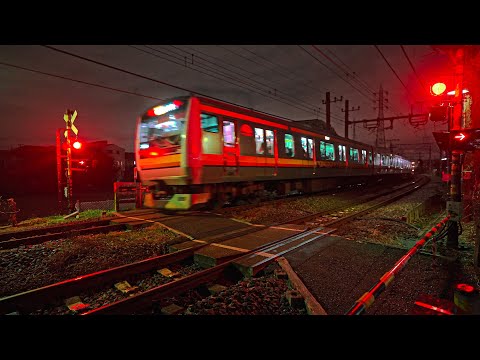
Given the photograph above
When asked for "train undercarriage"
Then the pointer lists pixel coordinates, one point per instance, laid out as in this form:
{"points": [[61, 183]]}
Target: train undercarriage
{"points": [[216, 195]]}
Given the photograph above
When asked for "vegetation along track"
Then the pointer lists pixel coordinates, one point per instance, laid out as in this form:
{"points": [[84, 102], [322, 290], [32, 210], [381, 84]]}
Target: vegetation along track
{"points": [[14, 239]]}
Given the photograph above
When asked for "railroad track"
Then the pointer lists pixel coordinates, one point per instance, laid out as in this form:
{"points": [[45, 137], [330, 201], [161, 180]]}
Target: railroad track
{"points": [[31, 237], [29, 301]]}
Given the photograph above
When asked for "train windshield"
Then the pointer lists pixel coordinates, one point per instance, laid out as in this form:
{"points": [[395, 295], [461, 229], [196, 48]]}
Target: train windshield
{"points": [[161, 135]]}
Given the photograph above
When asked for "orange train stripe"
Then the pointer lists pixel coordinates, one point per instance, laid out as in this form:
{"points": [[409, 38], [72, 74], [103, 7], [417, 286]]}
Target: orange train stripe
{"points": [[241, 116]]}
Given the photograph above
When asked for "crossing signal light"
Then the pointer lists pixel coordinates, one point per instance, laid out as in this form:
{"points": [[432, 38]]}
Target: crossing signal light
{"points": [[77, 145], [438, 88], [465, 139]]}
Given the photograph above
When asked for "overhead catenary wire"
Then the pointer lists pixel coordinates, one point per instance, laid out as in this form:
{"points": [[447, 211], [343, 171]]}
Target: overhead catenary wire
{"points": [[151, 79], [272, 89], [354, 76], [79, 81], [241, 68], [161, 82], [370, 98], [260, 91], [366, 87], [391, 68], [289, 72], [343, 70], [413, 68]]}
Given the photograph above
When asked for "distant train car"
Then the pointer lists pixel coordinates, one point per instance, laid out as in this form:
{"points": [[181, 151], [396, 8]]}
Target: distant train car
{"points": [[193, 151]]}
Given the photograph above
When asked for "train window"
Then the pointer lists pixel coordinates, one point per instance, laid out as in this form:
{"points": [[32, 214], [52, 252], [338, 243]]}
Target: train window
{"points": [[327, 151], [370, 158], [354, 154], [289, 145], [259, 141], [364, 156], [270, 141], [377, 159], [303, 141], [342, 156], [307, 147], [228, 133], [310, 148], [209, 123]]}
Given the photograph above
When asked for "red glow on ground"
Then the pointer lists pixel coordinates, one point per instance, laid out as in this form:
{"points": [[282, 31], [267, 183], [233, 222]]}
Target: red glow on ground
{"points": [[465, 288]]}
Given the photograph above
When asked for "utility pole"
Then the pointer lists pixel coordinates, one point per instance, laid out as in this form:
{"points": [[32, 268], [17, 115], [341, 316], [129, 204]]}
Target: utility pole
{"points": [[346, 111], [327, 102], [454, 205], [380, 139]]}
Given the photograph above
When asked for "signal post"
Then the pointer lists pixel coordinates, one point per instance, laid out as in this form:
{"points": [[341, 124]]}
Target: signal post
{"points": [[69, 118]]}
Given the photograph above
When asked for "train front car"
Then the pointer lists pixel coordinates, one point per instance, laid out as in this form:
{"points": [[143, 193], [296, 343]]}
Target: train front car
{"points": [[165, 156]]}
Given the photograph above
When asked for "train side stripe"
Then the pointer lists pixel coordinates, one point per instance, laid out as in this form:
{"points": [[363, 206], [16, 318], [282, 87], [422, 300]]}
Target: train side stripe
{"points": [[241, 116]]}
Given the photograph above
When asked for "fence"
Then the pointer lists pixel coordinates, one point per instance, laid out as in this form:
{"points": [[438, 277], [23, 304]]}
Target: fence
{"points": [[97, 205], [128, 195]]}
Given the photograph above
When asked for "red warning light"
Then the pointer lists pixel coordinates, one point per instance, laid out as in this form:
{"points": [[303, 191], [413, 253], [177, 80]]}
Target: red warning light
{"points": [[77, 145]]}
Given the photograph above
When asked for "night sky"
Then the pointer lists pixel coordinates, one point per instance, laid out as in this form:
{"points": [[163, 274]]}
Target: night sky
{"points": [[32, 104]]}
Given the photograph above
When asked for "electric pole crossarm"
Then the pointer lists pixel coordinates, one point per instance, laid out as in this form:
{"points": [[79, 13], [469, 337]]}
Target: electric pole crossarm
{"points": [[388, 118]]}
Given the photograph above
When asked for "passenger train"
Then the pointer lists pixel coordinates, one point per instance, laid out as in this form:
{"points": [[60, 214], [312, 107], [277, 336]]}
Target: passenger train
{"points": [[193, 151]]}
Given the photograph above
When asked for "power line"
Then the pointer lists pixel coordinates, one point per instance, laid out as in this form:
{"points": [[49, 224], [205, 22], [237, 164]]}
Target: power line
{"points": [[220, 73], [316, 59], [240, 68], [314, 109], [282, 67], [255, 81], [357, 78], [352, 71], [278, 72], [342, 69], [80, 81], [152, 79], [413, 68], [390, 66]]}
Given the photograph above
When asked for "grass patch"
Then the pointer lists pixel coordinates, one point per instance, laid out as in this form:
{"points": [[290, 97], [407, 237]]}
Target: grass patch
{"points": [[39, 222]]}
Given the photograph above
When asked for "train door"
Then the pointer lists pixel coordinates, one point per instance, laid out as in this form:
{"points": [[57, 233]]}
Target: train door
{"points": [[271, 153], [230, 148]]}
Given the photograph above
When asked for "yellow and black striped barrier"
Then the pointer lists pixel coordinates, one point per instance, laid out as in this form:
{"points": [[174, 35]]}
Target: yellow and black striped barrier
{"points": [[368, 298]]}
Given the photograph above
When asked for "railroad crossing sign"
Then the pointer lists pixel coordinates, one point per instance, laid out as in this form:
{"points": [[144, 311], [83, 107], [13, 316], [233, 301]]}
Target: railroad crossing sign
{"points": [[70, 121]]}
